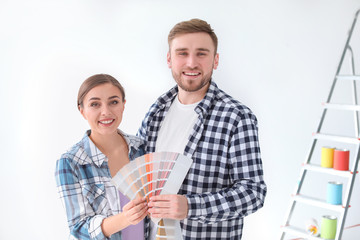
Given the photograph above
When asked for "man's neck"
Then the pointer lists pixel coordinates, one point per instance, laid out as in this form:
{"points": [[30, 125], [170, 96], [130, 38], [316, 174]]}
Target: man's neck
{"points": [[186, 97]]}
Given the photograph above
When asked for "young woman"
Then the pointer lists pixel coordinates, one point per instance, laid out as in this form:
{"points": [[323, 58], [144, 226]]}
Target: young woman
{"points": [[95, 208]]}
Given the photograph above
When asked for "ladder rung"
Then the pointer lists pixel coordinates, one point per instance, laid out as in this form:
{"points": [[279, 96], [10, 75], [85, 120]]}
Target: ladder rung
{"points": [[348, 77], [299, 232], [335, 138], [318, 168], [341, 106], [318, 203]]}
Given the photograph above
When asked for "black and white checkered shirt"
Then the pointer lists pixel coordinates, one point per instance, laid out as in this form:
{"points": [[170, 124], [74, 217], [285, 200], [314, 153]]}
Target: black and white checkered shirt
{"points": [[225, 182]]}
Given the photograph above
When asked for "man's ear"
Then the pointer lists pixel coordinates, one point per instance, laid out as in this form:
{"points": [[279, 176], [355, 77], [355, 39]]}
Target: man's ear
{"points": [[168, 59], [216, 61]]}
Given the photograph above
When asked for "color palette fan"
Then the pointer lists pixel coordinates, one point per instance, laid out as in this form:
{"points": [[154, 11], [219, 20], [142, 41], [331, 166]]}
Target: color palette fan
{"points": [[155, 174]]}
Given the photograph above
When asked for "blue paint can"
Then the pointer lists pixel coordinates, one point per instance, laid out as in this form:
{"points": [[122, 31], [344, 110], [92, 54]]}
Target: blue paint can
{"points": [[334, 193]]}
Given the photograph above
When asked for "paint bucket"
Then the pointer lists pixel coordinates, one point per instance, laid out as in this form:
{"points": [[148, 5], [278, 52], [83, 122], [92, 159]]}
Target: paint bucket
{"points": [[312, 227], [334, 193], [328, 227], [341, 159], [327, 157]]}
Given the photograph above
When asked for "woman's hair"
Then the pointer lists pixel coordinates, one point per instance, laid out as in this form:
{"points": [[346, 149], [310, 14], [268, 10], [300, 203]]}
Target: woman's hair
{"points": [[95, 81], [193, 26]]}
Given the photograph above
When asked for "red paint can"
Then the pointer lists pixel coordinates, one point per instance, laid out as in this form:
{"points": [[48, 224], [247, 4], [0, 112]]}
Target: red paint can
{"points": [[341, 159]]}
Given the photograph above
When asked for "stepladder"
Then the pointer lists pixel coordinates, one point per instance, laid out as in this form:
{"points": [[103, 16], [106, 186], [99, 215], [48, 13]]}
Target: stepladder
{"points": [[313, 213]]}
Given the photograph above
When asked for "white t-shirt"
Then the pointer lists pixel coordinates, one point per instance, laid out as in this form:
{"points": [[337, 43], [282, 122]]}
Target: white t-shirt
{"points": [[174, 134], [176, 127]]}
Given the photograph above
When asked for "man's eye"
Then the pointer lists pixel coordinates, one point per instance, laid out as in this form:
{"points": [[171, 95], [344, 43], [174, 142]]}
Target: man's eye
{"points": [[183, 53], [201, 54]]}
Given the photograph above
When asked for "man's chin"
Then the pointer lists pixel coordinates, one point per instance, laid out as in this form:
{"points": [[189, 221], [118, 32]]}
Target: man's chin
{"points": [[192, 86]]}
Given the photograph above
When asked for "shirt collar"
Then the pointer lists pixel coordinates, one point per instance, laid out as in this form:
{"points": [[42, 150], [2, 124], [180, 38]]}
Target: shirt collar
{"points": [[93, 153]]}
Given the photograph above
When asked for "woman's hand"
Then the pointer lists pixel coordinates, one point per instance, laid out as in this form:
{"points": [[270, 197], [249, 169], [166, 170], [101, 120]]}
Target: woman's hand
{"points": [[133, 213], [135, 210]]}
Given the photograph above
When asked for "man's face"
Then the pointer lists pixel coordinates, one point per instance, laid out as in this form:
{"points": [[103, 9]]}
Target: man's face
{"points": [[192, 59]]}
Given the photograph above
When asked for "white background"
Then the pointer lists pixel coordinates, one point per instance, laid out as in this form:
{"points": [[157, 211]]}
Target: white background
{"points": [[278, 57]]}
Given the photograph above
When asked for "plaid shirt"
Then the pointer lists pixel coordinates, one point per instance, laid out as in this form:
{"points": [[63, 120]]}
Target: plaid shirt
{"points": [[84, 185], [225, 182]]}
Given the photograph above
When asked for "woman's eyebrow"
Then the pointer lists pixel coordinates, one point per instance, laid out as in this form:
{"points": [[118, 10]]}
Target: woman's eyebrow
{"points": [[112, 97]]}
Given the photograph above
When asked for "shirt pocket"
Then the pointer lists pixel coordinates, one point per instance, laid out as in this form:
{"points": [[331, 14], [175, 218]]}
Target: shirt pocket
{"points": [[94, 193]]}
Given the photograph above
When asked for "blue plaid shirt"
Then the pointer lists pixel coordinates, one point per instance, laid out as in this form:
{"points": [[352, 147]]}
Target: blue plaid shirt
{"points": [[84, 185], [225, 182]]}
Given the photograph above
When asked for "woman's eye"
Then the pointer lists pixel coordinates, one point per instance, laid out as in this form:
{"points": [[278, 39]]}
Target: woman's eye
{"points": [[94, 104], [114, 102]]}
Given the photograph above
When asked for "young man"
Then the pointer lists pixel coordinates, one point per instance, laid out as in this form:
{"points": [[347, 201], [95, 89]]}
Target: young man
{"points": [[196, 118]]}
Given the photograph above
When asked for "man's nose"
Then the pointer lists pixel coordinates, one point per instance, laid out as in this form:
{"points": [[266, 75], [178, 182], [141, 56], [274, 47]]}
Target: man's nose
{"points": [[192, 61]]}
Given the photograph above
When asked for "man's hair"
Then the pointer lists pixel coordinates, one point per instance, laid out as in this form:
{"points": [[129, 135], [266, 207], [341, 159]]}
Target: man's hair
{"points": [[193, 26], [95, 81]]}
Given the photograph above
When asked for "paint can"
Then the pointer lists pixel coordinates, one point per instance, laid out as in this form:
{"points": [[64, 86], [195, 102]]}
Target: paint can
{"points": [[334, 193], [341, 159], [328, 227], [327, 157], [312, 227]]}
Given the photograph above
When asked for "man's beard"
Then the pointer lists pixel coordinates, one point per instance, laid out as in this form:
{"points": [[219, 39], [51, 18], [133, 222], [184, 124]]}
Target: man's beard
{"points": [[195, 85]]}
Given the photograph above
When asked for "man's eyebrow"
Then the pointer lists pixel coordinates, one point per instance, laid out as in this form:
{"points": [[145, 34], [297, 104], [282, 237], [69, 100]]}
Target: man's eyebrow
{"points": [[198, 49], [203, 49], [181, 49]]}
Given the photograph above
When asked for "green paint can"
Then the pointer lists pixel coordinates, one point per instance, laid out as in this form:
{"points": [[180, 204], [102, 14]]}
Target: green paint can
{"points": [[328, 227]]}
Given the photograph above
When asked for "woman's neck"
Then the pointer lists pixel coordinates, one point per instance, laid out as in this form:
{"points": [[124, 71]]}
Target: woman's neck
{"points": [[108, 143]]}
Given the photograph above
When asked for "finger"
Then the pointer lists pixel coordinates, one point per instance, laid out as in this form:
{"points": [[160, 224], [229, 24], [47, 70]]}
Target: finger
{"points": [[160, 204], [158, 210], [133, 203], [128, 206], [136, 215], [138, 208], [139, 200], [165, 197], [137, 220]]}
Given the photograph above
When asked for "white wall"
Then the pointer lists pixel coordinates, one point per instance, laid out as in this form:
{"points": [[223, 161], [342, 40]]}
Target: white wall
{"points": [[278, 57]]}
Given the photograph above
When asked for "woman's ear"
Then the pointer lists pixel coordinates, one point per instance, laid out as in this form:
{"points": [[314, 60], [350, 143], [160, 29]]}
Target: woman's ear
{"points": [[124, 104], [81, 109]]}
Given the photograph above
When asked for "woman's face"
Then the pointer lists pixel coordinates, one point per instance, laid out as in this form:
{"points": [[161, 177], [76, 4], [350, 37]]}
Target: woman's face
{"points": [[103, 108]]}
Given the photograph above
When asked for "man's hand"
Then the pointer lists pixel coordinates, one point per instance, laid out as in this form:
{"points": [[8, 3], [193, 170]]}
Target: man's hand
{"points": [[168, 206]]}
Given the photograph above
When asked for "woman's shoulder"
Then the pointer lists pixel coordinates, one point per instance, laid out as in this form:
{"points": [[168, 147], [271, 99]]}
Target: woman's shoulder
{"points": [[132, 140], [76, 154], [136, 145]]}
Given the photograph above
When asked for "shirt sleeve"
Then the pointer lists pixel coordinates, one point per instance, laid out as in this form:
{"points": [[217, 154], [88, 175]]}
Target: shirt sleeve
{"points": [[247, 194], [82, 220]]}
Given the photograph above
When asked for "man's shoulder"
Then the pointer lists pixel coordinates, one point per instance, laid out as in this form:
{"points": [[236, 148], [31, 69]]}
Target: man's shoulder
{"points": [[227, 103], [162, 101]]}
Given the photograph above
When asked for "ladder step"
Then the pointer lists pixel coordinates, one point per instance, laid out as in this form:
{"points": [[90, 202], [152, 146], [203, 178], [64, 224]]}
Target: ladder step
{"points": [[351, 140], [348, 77], [317, 203], [318, 168], [298, 232], [341, 106]]}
